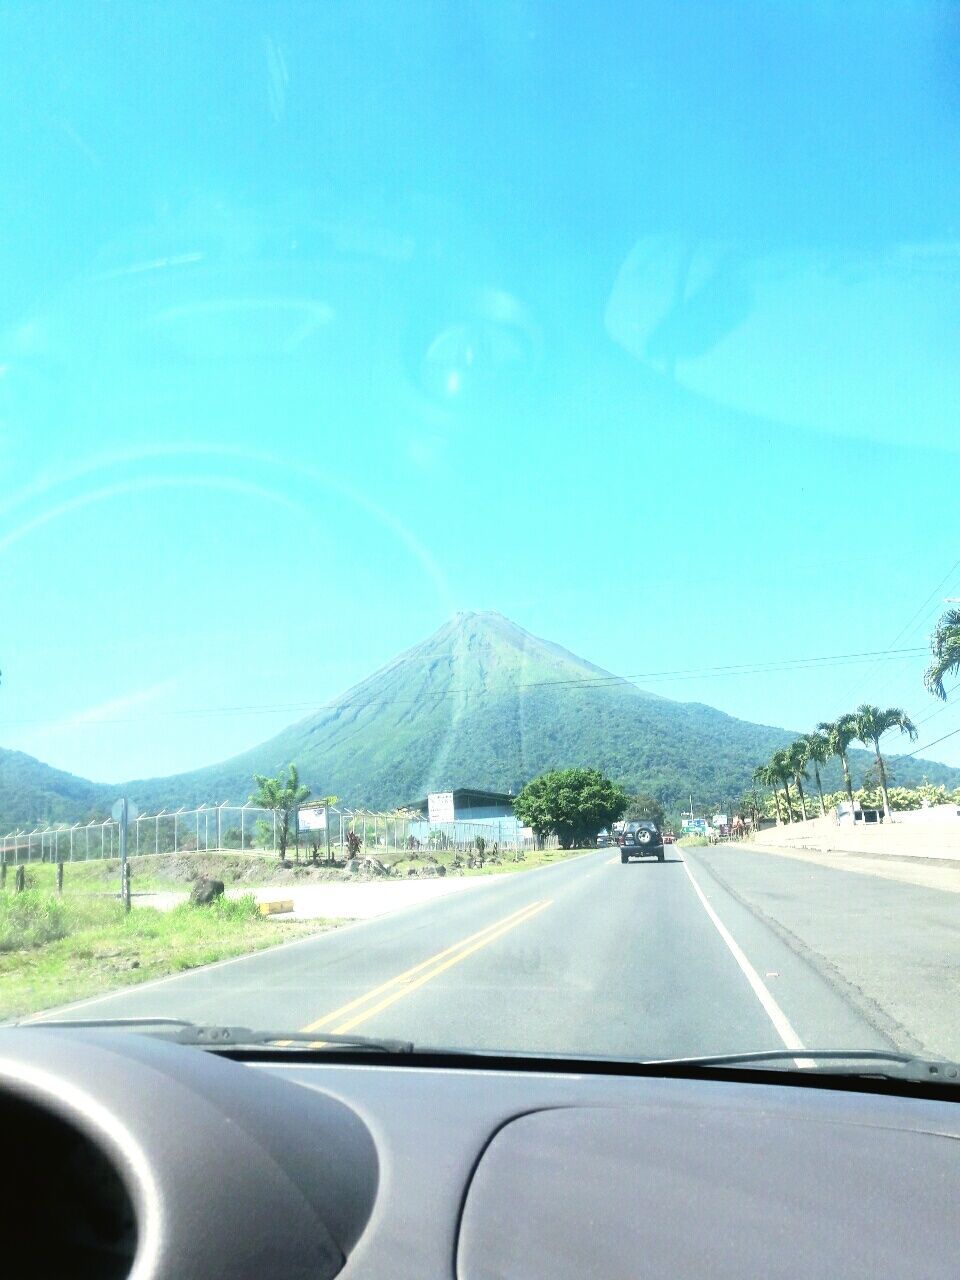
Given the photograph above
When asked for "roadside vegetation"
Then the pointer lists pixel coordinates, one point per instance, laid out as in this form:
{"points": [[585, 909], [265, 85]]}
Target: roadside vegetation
{"points": [[868, 724], [572, 804], [791, 767], [57, 949]]}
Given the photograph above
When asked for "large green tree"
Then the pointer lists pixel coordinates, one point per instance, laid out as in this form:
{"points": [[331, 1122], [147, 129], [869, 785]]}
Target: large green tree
{"points": [[782, 767], [573, 803], [839, 734], [818, 753], [870, 724], [751, 805], [797, 757], [766, 776], [945, 646], [645, 806], [283, 794]]}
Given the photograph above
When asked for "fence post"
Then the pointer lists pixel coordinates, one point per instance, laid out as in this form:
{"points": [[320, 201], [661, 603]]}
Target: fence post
{"points": [[60, 878], [20, 883]]}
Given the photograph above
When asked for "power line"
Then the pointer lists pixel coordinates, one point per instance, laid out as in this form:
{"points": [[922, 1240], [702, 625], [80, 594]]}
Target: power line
{"points": [[585, 681], [906, 628], [928, 745]]}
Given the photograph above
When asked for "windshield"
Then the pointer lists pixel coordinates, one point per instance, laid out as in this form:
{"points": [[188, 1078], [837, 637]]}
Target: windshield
{"points": [[487, 474]]}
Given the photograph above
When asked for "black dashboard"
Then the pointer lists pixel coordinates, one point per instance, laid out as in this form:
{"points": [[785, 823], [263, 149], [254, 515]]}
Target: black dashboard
{"points": [[128, 1155]]}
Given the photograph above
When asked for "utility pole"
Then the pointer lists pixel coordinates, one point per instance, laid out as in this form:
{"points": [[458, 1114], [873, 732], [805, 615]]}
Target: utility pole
{"points": [[124, 869]]}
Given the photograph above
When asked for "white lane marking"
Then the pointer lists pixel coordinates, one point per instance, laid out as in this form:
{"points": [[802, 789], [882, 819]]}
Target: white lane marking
{"points": [[781, 1023]]}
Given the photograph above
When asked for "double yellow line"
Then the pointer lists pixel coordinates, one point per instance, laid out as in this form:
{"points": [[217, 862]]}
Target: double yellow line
{"points": [[351, 1015]]}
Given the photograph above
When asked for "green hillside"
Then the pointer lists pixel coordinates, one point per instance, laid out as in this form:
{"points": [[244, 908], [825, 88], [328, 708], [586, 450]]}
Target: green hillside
{"points": [[32, 792], [483, 703], [480, 703]]}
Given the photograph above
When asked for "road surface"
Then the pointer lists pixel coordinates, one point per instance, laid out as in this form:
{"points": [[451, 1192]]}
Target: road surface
{"points": [[649, 960]]}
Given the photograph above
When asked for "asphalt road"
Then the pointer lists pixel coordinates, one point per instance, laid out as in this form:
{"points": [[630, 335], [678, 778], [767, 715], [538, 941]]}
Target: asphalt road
{"points": [[649, 960]]}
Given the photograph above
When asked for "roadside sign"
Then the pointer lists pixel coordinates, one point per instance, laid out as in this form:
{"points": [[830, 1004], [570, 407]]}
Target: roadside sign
{"points": [[440, 807], [719, 819], [313, 819]]}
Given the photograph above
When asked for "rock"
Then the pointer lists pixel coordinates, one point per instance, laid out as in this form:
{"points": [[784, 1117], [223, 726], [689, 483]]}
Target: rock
{"points": [[441, 870], [411, 871], [352, 867], [204, 892], [134, 964]]}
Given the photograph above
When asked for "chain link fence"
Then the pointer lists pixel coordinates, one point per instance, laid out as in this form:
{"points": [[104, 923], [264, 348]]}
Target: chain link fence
{"points": [[226, 828]]}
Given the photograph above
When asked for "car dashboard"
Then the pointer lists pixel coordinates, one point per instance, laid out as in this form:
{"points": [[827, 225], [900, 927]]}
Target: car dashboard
{"points": [[130, 1156]]}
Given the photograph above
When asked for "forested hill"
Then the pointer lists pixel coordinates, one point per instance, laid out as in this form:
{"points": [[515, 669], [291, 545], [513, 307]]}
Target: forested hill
{"points": [[481, 703]]}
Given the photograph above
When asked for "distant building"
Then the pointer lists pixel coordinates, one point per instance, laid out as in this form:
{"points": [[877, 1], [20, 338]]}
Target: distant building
{"points": [[456, 812]]}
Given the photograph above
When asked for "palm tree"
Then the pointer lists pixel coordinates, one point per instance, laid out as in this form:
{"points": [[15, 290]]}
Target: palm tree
{"points": [[765, 776], [945, 646], [750, 805], [870, 725], [839, 734], [780, 764], [818, 753], [284, 795], [797, 758]]}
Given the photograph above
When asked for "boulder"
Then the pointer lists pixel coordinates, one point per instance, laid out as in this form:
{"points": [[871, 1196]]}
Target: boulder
{"points": [[205, 891]]}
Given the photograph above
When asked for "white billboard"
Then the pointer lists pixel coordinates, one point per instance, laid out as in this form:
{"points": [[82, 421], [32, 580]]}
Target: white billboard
{"points": [[440, 806], [313, 819]]}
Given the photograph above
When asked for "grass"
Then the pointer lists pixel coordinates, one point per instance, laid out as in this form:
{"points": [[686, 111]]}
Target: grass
{"points": [[159, 873], [170, 872], [694, 842], [55, 950], [531, 859]]}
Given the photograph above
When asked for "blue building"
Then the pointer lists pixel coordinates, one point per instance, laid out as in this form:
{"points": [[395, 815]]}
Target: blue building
{"points": [[465, 812]]}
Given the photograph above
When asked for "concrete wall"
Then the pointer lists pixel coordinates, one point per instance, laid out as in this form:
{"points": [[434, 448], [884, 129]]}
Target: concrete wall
{"points": [[921, 833]]}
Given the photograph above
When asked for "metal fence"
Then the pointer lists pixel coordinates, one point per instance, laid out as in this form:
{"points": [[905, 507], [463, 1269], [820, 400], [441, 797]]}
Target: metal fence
{"points": [[229, 828]]}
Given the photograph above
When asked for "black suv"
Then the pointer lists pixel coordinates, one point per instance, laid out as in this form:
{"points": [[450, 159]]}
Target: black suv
{"points": [[640, 840]]}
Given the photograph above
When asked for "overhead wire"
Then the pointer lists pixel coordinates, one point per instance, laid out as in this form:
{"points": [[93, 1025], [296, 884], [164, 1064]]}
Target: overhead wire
{"points": [[922, 614], [586, 681]]}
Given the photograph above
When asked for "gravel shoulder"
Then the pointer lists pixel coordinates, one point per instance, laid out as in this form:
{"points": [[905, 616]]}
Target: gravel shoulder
{"points": [[351, 901]]}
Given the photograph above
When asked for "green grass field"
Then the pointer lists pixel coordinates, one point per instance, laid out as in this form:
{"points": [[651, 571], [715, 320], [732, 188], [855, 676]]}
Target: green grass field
{"points": [[55, 950]]}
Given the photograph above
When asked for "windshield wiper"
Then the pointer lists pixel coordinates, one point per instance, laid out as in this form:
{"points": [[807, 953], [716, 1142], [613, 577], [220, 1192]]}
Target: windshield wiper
{"points": [[892, 1064], [207, 1036]]}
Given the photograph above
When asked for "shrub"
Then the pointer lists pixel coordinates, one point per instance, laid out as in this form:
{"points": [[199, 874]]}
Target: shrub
{"points": [[31, 919]]}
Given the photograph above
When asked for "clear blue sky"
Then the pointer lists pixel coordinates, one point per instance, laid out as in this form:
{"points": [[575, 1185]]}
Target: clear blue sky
{"points": [[638, 323]]}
